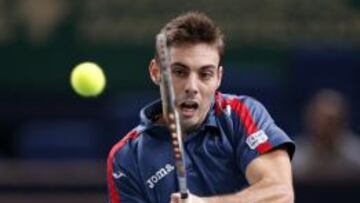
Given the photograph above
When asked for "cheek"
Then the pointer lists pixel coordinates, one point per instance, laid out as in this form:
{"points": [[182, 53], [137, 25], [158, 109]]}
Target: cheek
{"points": [[210, 88], [208, 93], [214, 88], [177, 85]]}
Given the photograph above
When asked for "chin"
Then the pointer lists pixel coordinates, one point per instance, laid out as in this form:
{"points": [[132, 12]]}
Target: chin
{"points": [[189, 125]]}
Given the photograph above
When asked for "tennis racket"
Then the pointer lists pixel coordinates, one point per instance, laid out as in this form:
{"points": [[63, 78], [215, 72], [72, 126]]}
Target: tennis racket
{"points": [[169, 112]]}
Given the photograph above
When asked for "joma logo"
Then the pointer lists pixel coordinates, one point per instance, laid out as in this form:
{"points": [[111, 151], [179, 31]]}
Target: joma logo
{"points": [[160, 174]]}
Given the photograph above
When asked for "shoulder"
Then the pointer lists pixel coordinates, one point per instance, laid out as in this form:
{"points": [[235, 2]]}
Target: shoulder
{"points": [[236, 100], [244, 106], [255, 124], [126, 146]]}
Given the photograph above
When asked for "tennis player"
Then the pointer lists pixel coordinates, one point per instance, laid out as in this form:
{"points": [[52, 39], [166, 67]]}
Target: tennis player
{"points": [[233, 150]]}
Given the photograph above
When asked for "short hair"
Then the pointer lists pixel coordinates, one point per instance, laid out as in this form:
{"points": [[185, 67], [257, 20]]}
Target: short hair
{"points": [[192, 28]]}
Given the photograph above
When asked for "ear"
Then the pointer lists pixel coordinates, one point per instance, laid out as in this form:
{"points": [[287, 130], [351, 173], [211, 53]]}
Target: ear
{"points": [[220, 75], [154, 71]]}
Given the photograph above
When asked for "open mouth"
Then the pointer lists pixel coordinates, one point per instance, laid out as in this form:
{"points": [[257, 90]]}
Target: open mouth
{"points": [[188, 108]]}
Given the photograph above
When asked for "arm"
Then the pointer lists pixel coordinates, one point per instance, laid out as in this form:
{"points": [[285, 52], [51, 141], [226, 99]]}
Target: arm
{"points": [[270, 181]]}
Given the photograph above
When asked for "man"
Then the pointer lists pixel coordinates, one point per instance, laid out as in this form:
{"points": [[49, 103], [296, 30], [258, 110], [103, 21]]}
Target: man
{"points": [[234, 152], [328, 137]]}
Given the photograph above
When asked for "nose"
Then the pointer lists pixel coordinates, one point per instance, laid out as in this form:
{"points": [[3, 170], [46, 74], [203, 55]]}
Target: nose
{"points": [[191, 86]]}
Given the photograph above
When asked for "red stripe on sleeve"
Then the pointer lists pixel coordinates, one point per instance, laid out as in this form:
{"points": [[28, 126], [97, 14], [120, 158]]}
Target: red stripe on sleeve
{"points": [[264, 147], [114, 195], [244, 114], [250, 126]]}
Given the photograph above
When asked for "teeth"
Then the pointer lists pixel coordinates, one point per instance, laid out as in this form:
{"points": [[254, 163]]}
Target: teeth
{"points": [[189, 104]]}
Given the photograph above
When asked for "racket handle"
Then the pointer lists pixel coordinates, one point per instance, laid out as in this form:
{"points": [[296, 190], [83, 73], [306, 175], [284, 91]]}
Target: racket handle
{"points": [[184, 195], [183, 187]]}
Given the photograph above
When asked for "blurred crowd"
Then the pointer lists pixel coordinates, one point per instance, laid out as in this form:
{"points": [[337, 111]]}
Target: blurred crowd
{"points": [[328, 149], [283, 53]]}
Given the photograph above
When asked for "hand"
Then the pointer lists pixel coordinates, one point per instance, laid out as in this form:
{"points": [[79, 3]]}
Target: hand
{"points": [[175, 198]]}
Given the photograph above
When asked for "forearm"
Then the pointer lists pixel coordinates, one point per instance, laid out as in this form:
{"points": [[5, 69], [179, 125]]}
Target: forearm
{"points": [[270, 182], [262, 192]]}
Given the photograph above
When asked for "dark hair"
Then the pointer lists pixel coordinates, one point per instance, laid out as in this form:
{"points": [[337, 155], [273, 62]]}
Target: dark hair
{"points": [[191, 28]]}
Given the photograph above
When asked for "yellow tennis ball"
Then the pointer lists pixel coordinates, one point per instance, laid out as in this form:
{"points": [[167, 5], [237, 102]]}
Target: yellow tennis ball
{"points": [[88, 79]]}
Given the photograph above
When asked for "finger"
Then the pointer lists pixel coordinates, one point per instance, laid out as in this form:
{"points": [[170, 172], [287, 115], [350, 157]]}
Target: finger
{"points": [[175, 198]]}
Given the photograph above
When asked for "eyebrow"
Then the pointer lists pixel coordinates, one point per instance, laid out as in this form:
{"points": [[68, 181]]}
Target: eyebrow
{"points": [[205, 67], [179, 64], [208, 67]]}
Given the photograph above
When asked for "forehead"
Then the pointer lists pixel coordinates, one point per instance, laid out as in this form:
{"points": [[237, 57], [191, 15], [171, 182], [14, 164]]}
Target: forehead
{"points": [[195, 55]]}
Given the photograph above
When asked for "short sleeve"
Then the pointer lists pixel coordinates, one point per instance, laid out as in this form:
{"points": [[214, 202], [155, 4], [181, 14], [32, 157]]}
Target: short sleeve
{"points": [[257, 132]]}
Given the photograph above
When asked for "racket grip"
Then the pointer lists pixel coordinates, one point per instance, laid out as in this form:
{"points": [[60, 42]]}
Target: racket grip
{"points": [[183, 188], [184, 195]]}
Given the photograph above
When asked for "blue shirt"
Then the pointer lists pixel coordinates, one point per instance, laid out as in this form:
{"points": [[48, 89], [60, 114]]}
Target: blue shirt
{"points": [[141, 167]]}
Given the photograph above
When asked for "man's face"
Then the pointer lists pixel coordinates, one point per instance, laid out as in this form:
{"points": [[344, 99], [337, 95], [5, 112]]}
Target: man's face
{"points": [[196, 76]]}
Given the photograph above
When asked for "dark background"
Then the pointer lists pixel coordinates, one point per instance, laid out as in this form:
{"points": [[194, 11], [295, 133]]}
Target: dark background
{"points": [[53, 143]]}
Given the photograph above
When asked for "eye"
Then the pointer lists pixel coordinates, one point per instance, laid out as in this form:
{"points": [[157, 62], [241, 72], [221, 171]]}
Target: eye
{"points": [[179, 72], [206, 75]]}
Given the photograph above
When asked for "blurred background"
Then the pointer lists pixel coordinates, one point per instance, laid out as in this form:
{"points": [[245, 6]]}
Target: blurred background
{"points": [[54, 144]]}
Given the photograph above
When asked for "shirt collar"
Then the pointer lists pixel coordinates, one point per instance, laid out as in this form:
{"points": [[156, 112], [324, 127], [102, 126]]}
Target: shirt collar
{"points": [[151, 112], [210, 119]]}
